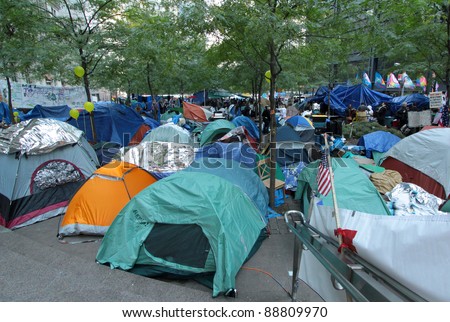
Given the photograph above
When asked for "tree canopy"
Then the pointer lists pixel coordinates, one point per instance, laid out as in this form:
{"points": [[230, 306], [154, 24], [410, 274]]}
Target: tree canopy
{"points": [[174, 46]]}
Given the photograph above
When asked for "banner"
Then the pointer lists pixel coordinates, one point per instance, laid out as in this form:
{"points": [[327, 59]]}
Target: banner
{"points": [[407, 82], [392, 81], [379, 81], [28, 96], [366, 80]]}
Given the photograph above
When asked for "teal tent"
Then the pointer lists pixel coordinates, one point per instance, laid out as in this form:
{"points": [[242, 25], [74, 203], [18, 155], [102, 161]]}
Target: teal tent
{"points": [[241, 176], [190, 224], [215, 130], [169, 133], [354, 190]]}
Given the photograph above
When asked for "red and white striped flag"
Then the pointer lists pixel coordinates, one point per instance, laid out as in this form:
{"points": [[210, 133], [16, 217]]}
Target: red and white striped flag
{"points": [[323, 175]]}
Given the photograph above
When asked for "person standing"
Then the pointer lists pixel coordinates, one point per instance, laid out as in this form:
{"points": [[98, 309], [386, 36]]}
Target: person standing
{"points": [[349, 114], [381, 114], [266, 119]]}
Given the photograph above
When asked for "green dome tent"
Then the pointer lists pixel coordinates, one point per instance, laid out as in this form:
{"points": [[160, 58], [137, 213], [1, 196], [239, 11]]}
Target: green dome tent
{"points": [[215, 130], [190, 224]]}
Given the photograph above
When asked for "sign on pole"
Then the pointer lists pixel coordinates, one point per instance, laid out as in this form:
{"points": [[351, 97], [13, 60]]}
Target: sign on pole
{"points": [[435, 100]]}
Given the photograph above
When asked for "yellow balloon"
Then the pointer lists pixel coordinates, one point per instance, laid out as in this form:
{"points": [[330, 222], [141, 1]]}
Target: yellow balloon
{"points": [[79, 71], [268, 76], [89, 106], [74, 113], [16, 113]]}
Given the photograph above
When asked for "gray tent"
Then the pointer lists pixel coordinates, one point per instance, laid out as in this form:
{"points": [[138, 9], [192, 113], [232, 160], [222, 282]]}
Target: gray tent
{"points": [[42, 164]]}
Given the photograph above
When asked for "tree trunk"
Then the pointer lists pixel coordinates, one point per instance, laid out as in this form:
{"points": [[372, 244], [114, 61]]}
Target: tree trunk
{"points": [[259, 109], [150, 88], [447, 67], [88, 94], [11, 113], [273, 126]]}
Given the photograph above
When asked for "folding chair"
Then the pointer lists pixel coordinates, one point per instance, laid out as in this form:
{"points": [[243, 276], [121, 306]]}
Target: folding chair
{"points": [[264, 174]]}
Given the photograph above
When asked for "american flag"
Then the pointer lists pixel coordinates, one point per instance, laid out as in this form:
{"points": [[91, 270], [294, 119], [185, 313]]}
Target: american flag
{"points": [[323, 175], [444, 121]]}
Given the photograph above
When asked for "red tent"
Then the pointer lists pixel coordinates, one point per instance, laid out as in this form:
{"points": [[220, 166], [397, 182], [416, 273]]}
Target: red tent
{"points": [[194, 112]]}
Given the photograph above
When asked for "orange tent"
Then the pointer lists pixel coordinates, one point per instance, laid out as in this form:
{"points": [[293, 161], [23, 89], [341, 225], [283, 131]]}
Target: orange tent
{"points": [[194, 112], [99, 200]]}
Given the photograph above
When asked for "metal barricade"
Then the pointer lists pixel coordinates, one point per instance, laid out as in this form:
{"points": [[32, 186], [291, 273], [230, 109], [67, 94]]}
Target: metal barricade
{"points": [[360, 280]]}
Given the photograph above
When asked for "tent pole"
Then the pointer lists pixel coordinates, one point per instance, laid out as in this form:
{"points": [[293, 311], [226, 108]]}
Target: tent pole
{"points": [[333, 192], [336, 209]]}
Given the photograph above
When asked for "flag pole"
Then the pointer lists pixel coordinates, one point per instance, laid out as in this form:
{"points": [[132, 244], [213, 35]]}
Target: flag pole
{"points": [[333, 192]]}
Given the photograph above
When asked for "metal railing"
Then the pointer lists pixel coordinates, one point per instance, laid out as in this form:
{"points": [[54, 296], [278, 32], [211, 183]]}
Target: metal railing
{"points": [[360, 280]]}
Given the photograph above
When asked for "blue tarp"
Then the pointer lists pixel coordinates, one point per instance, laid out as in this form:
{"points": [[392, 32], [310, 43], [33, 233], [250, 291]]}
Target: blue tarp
{"points": [[323, 94], [243, 177], [239, 152], [151, 122], [60, 113], [113, 123], [421, 101], [358, 94], [341, 96], [248, 124], [379, 141], [4, 113]]}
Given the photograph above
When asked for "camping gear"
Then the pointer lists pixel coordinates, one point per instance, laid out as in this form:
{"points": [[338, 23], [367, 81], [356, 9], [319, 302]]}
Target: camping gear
{"points": [[419, 271], [190, 224], [112, 122], [409, 199], [423, 158], [353, 188], [243, 177], [60, 113], [161, 159], [215, 130], [239, 134], [196, 112], [43, 162], [249, 125], [242, 153], [421, 101], [263, 168], [98, 201], [385, 181], [169, 133], [294, 146], [380, 141], [299, 122]]}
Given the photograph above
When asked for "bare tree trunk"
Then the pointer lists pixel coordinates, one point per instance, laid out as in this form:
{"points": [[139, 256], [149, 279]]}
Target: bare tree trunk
{"points": [[11, 113], [88, 93], [273, 125], [259, 109], [447, 67], [150, 88]]}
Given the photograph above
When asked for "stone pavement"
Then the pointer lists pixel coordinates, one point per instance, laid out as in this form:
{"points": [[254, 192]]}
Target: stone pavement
{"points": [[36, 267]]}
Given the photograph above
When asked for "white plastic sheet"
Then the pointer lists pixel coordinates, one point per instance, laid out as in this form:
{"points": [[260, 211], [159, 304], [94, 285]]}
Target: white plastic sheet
{"points": [[414, 250]]}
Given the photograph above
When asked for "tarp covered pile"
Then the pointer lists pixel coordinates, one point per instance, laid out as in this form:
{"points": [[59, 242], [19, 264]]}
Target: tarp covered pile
{"points": [[409, 212]]}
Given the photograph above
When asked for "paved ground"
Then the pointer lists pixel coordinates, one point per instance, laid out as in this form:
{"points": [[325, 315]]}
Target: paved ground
{"points": [[36, 267]]}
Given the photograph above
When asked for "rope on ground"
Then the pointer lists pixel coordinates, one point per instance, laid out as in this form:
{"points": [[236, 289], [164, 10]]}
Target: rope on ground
{"points": [[268, 274]]}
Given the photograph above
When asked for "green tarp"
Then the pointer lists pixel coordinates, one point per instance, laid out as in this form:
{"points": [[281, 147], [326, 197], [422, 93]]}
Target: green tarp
{"points": [[225, 215], [354, 190]]}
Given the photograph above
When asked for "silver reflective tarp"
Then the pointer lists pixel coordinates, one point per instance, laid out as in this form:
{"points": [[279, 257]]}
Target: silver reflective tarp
{"points": [[37, 136], [56, 173], [160, 156], [410, 199]]}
